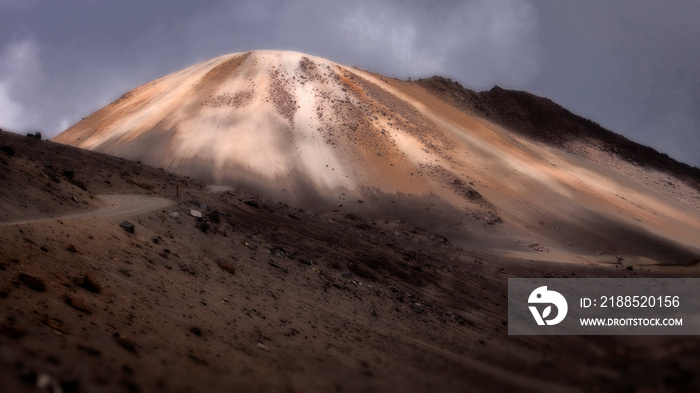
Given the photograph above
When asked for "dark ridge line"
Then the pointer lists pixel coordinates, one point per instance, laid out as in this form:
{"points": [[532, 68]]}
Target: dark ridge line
{"points": [[543, 120]]}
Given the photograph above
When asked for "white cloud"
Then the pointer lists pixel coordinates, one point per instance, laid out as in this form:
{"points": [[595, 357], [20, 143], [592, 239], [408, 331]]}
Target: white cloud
{"points": [[20, 77], [10, 112]]}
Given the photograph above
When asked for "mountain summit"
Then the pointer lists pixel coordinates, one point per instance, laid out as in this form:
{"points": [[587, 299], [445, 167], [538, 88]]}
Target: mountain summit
{"points": [[314, 133]]}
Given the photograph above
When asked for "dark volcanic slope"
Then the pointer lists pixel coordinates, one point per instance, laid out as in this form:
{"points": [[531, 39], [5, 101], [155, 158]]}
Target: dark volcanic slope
{"points": [[543, 120], [263, 297]]}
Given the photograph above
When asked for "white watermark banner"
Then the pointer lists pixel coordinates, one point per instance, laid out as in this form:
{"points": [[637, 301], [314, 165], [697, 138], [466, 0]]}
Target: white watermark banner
{"points": [[604, 306]]}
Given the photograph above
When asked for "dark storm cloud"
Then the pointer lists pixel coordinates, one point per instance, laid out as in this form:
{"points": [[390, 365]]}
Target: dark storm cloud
{"points": [[620, 65], [633, 66]]}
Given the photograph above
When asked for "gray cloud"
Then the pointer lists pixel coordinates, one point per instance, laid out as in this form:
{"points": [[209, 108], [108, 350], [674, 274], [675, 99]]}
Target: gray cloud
{"points": [[632, 66], [628, 65]]}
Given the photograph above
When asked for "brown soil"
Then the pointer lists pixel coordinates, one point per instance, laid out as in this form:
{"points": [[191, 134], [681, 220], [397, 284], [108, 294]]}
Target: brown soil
{"points": [[259, 296]]}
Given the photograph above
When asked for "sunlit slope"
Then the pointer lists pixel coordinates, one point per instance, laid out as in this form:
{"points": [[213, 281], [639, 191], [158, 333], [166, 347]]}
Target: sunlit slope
{"points": [[311, 132]]}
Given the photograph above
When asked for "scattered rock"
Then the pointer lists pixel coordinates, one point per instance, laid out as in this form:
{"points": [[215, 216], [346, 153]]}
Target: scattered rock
{"points": [[263, 347], [214, 216], [89, 282], [127, 226], [538, 247], [227, 267], [174, 215], [67, 173], [32, 282], [196, 331], [125, 342], [417, 308], [277, 251], [7, 150], [71, 248], [196, 213], [252, 203], [79, 184], [55, 324], [62, 280], [77, 303], [203, 226]]}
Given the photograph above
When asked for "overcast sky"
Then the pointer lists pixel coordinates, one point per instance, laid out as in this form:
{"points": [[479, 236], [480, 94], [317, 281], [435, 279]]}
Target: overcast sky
{"points": [[633, 66]]}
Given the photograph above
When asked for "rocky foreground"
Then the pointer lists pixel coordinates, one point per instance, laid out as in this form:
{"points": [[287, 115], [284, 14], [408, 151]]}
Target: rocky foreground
{"points": [[115, 276]]}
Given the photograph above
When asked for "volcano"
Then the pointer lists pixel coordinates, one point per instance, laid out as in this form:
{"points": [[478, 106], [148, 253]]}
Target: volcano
{"points": [[317, 134], [274, 221]]}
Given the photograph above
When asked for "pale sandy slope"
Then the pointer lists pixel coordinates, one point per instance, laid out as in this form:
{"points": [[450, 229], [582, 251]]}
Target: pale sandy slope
{"points": [[315, 133]]}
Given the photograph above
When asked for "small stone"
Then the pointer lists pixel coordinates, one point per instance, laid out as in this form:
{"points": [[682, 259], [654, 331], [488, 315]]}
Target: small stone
{"points": [[71, 248], [32, 282], [196, 213], [214, 216], [417, 308], [252, 203], [89, 282], [174, 215], [263, 347], [62, 280], [68, 173], [203, 226], [77, 303], [125, 342], [227, 267], [196, 331], [127, 226], [43, 381]]}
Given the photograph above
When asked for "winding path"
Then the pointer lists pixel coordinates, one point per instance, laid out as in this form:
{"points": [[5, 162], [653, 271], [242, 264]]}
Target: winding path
{"points": [[117, 206]]}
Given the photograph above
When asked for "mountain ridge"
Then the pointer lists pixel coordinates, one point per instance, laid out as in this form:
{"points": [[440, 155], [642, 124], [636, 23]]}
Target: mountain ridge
{"points": [[544, 120], [316, 134]]}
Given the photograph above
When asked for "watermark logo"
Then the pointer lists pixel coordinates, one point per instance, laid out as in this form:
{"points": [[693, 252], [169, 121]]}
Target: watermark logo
{"points": [[542, 296]]}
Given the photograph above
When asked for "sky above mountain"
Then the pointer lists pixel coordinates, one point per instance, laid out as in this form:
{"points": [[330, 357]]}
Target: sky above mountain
{"points": [[632, 66]]}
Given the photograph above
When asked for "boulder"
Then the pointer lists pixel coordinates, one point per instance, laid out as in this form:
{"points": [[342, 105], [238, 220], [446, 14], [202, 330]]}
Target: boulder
{"points": [[127, 226], [32, 282], [89, 282], [214, 216]]}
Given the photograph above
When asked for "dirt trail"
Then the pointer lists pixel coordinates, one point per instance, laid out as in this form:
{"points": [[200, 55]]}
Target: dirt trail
{"points": [[116, 206]]}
